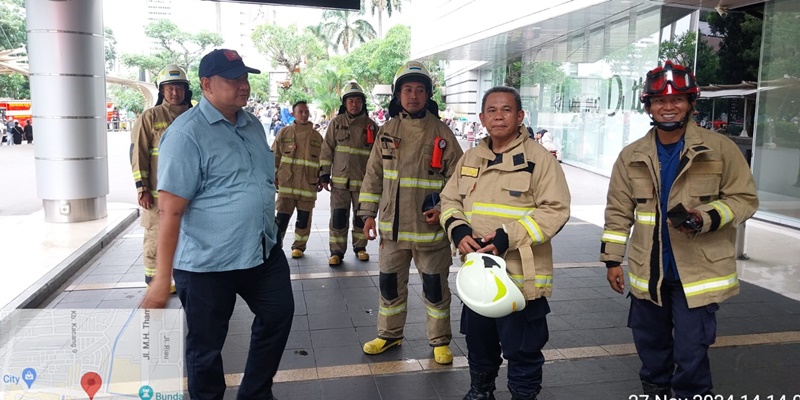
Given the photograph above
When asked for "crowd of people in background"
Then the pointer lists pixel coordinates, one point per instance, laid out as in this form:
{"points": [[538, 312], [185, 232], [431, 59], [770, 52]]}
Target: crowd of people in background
{"points": [[13, 133]]}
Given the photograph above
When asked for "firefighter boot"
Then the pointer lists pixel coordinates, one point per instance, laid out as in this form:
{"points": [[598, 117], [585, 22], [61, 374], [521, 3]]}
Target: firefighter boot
{"points": [[335, 260], [378, 345], [297, 253], [362, 254], [481, 386], [652, 389], [442, 355], [517, 396]]}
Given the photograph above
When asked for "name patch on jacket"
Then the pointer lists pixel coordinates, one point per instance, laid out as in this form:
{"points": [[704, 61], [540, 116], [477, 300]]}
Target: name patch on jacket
{"points": [[469, 171], [160, 125]]}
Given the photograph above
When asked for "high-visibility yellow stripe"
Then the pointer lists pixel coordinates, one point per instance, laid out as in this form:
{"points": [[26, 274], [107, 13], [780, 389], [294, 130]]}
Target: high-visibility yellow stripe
{"points": [[353, 150], [500, 210], [299, 161], [436, 313], [540, 280], [154, 193], [435, 184], [359, 235], [533, 229], [725, 212], [637, 282], [710, 285], [519, 280], [154, 151], [646, 218], [389, 311], [449, 213], [413, 236], [325, 163], [369, 198], [614, 237], [300, 238], [344, 180], [139, 174], [337, 239], [390, 174], [301, 192]]}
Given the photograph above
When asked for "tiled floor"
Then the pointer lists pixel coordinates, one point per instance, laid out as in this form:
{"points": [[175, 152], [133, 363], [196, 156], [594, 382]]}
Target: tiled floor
{"points": [[590, 352]]}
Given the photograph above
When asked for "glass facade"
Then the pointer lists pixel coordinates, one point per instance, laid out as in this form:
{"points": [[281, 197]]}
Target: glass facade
{"points": [[776, 151]]}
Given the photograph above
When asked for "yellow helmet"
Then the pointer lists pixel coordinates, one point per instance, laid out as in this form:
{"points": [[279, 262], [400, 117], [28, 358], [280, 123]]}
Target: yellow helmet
{"points": [[352, 88], [485, 287], [171, 74], [412, 71]]}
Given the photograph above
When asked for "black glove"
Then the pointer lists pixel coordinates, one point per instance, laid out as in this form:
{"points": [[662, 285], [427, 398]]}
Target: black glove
{"points": [[500, 241], [325, 178], [460, 232]]}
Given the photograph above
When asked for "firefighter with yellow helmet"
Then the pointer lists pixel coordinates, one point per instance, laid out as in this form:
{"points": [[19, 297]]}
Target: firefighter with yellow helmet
{"points": [[174, 98], [413, 157], [345, 152], [508, 197]]}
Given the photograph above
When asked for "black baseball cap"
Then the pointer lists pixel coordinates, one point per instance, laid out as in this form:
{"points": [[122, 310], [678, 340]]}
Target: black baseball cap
{"points": [[225, 63]]}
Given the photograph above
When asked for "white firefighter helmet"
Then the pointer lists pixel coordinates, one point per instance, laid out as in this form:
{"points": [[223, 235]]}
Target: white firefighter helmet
{"points": [[485, 287], [352, 88], [412, 71], [171, 74]]}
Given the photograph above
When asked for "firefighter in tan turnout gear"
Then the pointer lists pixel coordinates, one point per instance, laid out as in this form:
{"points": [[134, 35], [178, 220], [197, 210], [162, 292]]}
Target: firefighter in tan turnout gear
{"points": [[509, 197], [345, 152], [174, 97], [297, 149], [413, 156]]}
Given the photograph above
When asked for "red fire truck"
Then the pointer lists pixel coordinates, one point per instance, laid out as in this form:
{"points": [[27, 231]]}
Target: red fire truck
{"points": [[20, 110]]}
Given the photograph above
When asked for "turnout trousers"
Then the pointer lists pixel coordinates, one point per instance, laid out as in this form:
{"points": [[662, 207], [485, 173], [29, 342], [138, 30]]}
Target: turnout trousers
{"points": [[208, 300], [519, 337], [149, 222], [284, 207], [341, 202], [673, 341], [433, 266]]}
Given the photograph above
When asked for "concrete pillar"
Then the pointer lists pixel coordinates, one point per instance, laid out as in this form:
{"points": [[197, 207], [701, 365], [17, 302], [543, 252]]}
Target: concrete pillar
{"points": [[68, 97]]}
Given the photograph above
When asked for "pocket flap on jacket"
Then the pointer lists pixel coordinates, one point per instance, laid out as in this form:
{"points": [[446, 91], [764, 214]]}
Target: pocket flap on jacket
{"points": [[718, 251]]}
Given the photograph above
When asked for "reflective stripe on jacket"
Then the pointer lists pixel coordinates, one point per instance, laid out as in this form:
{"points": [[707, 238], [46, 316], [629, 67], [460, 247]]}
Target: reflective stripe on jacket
{"points": [[526, 194], [345, 151], [297, 150], [399, 177], [714, 178]]}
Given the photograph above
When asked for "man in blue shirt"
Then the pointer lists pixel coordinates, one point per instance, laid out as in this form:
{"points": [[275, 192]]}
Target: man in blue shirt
{"points": [[216, 184]]}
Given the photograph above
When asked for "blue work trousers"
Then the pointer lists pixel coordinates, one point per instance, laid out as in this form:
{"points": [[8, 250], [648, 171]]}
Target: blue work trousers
{"points": [[673, 340], [519, 337], [208, 300]]}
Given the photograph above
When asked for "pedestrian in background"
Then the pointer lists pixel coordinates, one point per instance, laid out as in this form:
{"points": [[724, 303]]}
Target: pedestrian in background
{"points": [[509, 198], [297, 149], [413, 157], [345, 152], [28, 130], [217, 232], [682, 190], [174, 98]]}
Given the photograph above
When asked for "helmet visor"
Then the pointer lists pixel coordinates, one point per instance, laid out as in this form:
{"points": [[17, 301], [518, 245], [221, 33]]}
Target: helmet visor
{"points": [[680, 80]]}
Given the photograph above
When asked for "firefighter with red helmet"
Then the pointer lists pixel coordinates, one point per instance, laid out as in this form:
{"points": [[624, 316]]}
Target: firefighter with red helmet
{"points": [[674, 200], [414, 155], [174, 98], [343, 162]]}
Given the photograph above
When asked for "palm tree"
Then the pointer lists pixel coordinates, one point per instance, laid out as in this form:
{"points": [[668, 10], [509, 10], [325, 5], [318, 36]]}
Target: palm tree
{"points": [[379, 6], [344, 31], [324, 37]]}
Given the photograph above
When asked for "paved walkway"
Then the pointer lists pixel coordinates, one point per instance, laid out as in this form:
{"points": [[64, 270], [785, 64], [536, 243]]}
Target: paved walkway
{"points": [[590, 352]]}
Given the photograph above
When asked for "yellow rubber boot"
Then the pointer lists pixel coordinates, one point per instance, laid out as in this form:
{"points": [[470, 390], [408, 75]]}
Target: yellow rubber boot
{"points": [[297, 253], [335, 260], [378, 345], [363, 255], [442, 355]]}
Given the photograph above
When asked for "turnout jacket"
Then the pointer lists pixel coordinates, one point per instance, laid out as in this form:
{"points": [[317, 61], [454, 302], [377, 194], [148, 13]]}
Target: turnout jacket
{"points": [[400, 176], [297, 148], [713, 178], [526, 195], [345, 151], [145, 136]]}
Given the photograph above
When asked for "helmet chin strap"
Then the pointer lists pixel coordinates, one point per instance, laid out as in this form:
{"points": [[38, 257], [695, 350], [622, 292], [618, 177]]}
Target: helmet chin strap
{"points": [[671, 126]]}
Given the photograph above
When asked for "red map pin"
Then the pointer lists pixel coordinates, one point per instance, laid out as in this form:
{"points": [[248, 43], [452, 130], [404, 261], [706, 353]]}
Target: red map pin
{"points": [[91, 383]]}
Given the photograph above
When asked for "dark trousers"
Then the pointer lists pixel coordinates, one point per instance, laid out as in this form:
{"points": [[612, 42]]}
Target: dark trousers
{"points": [[208, 300], [519, 337], [673, 341]]}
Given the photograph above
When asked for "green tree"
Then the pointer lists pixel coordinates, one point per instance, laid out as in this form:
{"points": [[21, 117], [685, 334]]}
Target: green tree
{"points": [[328, 78], [110, 44], [15, 86], [346, 31], [740, 50], [319, 32], [259, 86], [149, 63], [127, 98], [181, 47], [12, 24], [782, 46], [378, 7], [680, 50], [377, 61], [287, 47]]}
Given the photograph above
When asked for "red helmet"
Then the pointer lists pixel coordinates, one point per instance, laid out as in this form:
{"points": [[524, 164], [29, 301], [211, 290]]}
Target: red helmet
{"points": [[669, 79]]}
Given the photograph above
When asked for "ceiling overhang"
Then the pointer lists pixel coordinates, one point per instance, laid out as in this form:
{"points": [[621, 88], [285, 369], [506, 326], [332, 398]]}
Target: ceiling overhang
{"points": [[352, 5]]}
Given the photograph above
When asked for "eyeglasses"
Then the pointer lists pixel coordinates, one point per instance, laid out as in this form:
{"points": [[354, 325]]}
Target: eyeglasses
{"points": [[681, 80]]}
